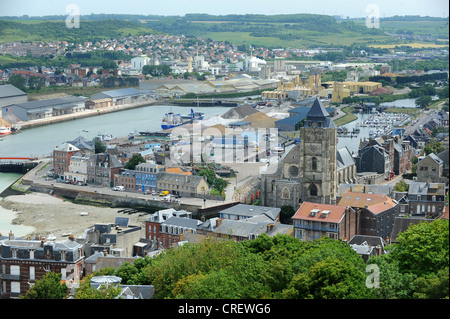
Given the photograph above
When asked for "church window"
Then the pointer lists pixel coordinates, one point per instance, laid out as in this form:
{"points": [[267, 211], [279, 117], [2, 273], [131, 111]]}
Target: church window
{"points": [[293, 171], [285, 193], [314, 164], [313, 191], [320, 124]]}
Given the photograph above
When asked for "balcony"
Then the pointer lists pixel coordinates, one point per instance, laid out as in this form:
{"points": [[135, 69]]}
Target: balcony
{"points": [[316, 227]]}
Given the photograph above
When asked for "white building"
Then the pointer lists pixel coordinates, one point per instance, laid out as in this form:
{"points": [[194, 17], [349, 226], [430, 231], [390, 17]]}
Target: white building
{"points": [[138, 63], [253, 64], [77, 168]]}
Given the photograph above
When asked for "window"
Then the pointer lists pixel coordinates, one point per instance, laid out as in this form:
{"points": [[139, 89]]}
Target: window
{"points": [[32, 273], [285, 193], [313, 191], [314, 164], [14, 252], [63, 255], [31, 254]]}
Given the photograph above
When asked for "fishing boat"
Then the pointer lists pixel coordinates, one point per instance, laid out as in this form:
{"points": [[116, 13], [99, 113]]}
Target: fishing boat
{"points": [[5, 130], [171, 120]]}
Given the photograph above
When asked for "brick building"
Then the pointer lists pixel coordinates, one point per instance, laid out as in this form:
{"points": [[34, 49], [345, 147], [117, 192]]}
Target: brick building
{"points": [[23, 262], [61, 157], [312, 221]]}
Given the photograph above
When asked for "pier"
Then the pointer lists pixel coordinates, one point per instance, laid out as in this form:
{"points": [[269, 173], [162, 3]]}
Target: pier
{"points": [[17, 164]]}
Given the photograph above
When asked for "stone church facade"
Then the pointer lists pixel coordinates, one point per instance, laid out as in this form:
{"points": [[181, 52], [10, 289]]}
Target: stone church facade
{"points": [[313, 169]]}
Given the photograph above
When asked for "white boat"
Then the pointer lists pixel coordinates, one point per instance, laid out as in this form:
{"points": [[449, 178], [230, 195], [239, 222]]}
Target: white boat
{"points": [[5, 130]]}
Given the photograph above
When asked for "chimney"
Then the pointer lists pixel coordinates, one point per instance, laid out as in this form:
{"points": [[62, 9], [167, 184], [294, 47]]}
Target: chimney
{"points": [[219, 222], [71, 237], [11, 235], [105, 252]]}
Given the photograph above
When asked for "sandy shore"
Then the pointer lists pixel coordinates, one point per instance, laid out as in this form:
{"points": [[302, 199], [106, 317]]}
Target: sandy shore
{"points": [[49, 215]]}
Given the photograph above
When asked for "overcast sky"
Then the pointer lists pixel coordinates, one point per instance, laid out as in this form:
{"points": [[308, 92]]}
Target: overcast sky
{"points": [[351, 8]]}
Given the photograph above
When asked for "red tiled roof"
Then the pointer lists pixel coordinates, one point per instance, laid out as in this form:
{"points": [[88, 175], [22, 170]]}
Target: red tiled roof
{"points": [[334, 216], [376, 203]]}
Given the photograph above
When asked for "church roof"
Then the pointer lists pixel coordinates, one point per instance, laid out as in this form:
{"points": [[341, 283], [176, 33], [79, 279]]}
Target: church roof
{"points": [[317, 110]]}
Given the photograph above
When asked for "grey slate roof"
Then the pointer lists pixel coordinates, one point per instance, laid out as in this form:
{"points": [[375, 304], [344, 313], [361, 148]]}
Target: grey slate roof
{"points": [[116, 93], [52, 102], [318, 113], [9, 90], [344, 158], [182, 222], [252, 210]]}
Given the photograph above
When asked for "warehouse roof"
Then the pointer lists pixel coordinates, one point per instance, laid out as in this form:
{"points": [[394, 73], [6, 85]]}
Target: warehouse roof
{"points": [[9, 90], [51, 102]]}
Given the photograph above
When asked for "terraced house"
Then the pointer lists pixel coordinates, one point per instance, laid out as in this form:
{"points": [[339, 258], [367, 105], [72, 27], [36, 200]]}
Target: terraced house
{"points": [[23, 262]]}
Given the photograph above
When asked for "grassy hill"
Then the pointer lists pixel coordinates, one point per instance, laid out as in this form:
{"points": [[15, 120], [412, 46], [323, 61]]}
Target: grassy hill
{"points": [[40, 30]]}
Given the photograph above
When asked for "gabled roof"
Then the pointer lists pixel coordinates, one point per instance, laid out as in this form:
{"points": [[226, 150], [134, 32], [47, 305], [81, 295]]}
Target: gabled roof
{"points": [[320, 212], [9, 90], [373, 202]]}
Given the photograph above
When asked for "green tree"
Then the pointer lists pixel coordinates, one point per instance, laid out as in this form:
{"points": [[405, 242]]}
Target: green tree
{"points": [[401, 186], [136, 159], [49, 287], [209, 174], [286, 214], [220, 184], [86, 291], [423, 248], [329, 279], [423, 101], [99, 147], [18, 81]]}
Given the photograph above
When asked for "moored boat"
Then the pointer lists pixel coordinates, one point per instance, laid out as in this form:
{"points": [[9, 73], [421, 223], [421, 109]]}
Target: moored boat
{"points": [[5, 130]]}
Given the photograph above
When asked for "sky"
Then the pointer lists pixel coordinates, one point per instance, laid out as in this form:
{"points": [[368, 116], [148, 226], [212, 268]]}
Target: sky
{"points": [[344, 8]]}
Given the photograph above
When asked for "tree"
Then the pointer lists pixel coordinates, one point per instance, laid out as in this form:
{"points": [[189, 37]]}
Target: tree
{"points": [[49, 287], [220, 184], [331, 278], [18, 81], [86, 291], [401, 186], [136, 159], [423, 101], [209, 174], [286, 214], [99, 147], [423, 248]]}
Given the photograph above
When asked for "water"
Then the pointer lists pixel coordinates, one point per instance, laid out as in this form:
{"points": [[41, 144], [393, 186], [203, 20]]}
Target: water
{"points": [[42, 140], [408, 103]]}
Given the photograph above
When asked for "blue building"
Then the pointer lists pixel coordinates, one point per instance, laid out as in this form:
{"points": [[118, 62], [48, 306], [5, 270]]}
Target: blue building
{"points": [[146, 176]]}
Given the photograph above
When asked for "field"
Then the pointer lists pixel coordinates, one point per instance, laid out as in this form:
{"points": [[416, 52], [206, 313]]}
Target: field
{"points": [[414, 45]]}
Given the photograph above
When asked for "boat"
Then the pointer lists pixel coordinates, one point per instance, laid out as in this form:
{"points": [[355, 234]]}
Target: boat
{"points": [[5, 130], [171, 120]]}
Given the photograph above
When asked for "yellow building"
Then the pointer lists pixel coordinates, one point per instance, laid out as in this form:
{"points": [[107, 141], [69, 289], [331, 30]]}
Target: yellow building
{"points": [[346, 88], [339, 92]]}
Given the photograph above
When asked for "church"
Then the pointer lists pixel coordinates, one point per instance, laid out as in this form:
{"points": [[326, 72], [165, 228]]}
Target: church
{"points": [[313, 169]]}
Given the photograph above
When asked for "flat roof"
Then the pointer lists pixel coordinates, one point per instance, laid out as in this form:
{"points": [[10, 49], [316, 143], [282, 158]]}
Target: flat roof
{"points": [[51, 102]]}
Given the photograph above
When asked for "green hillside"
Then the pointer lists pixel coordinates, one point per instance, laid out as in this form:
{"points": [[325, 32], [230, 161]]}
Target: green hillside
{"points": [[40, 30], [290, 30]]}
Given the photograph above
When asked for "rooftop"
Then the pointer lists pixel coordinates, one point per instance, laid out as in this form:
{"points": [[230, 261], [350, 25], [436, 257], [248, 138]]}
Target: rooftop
{"points": [[320, 212]]}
